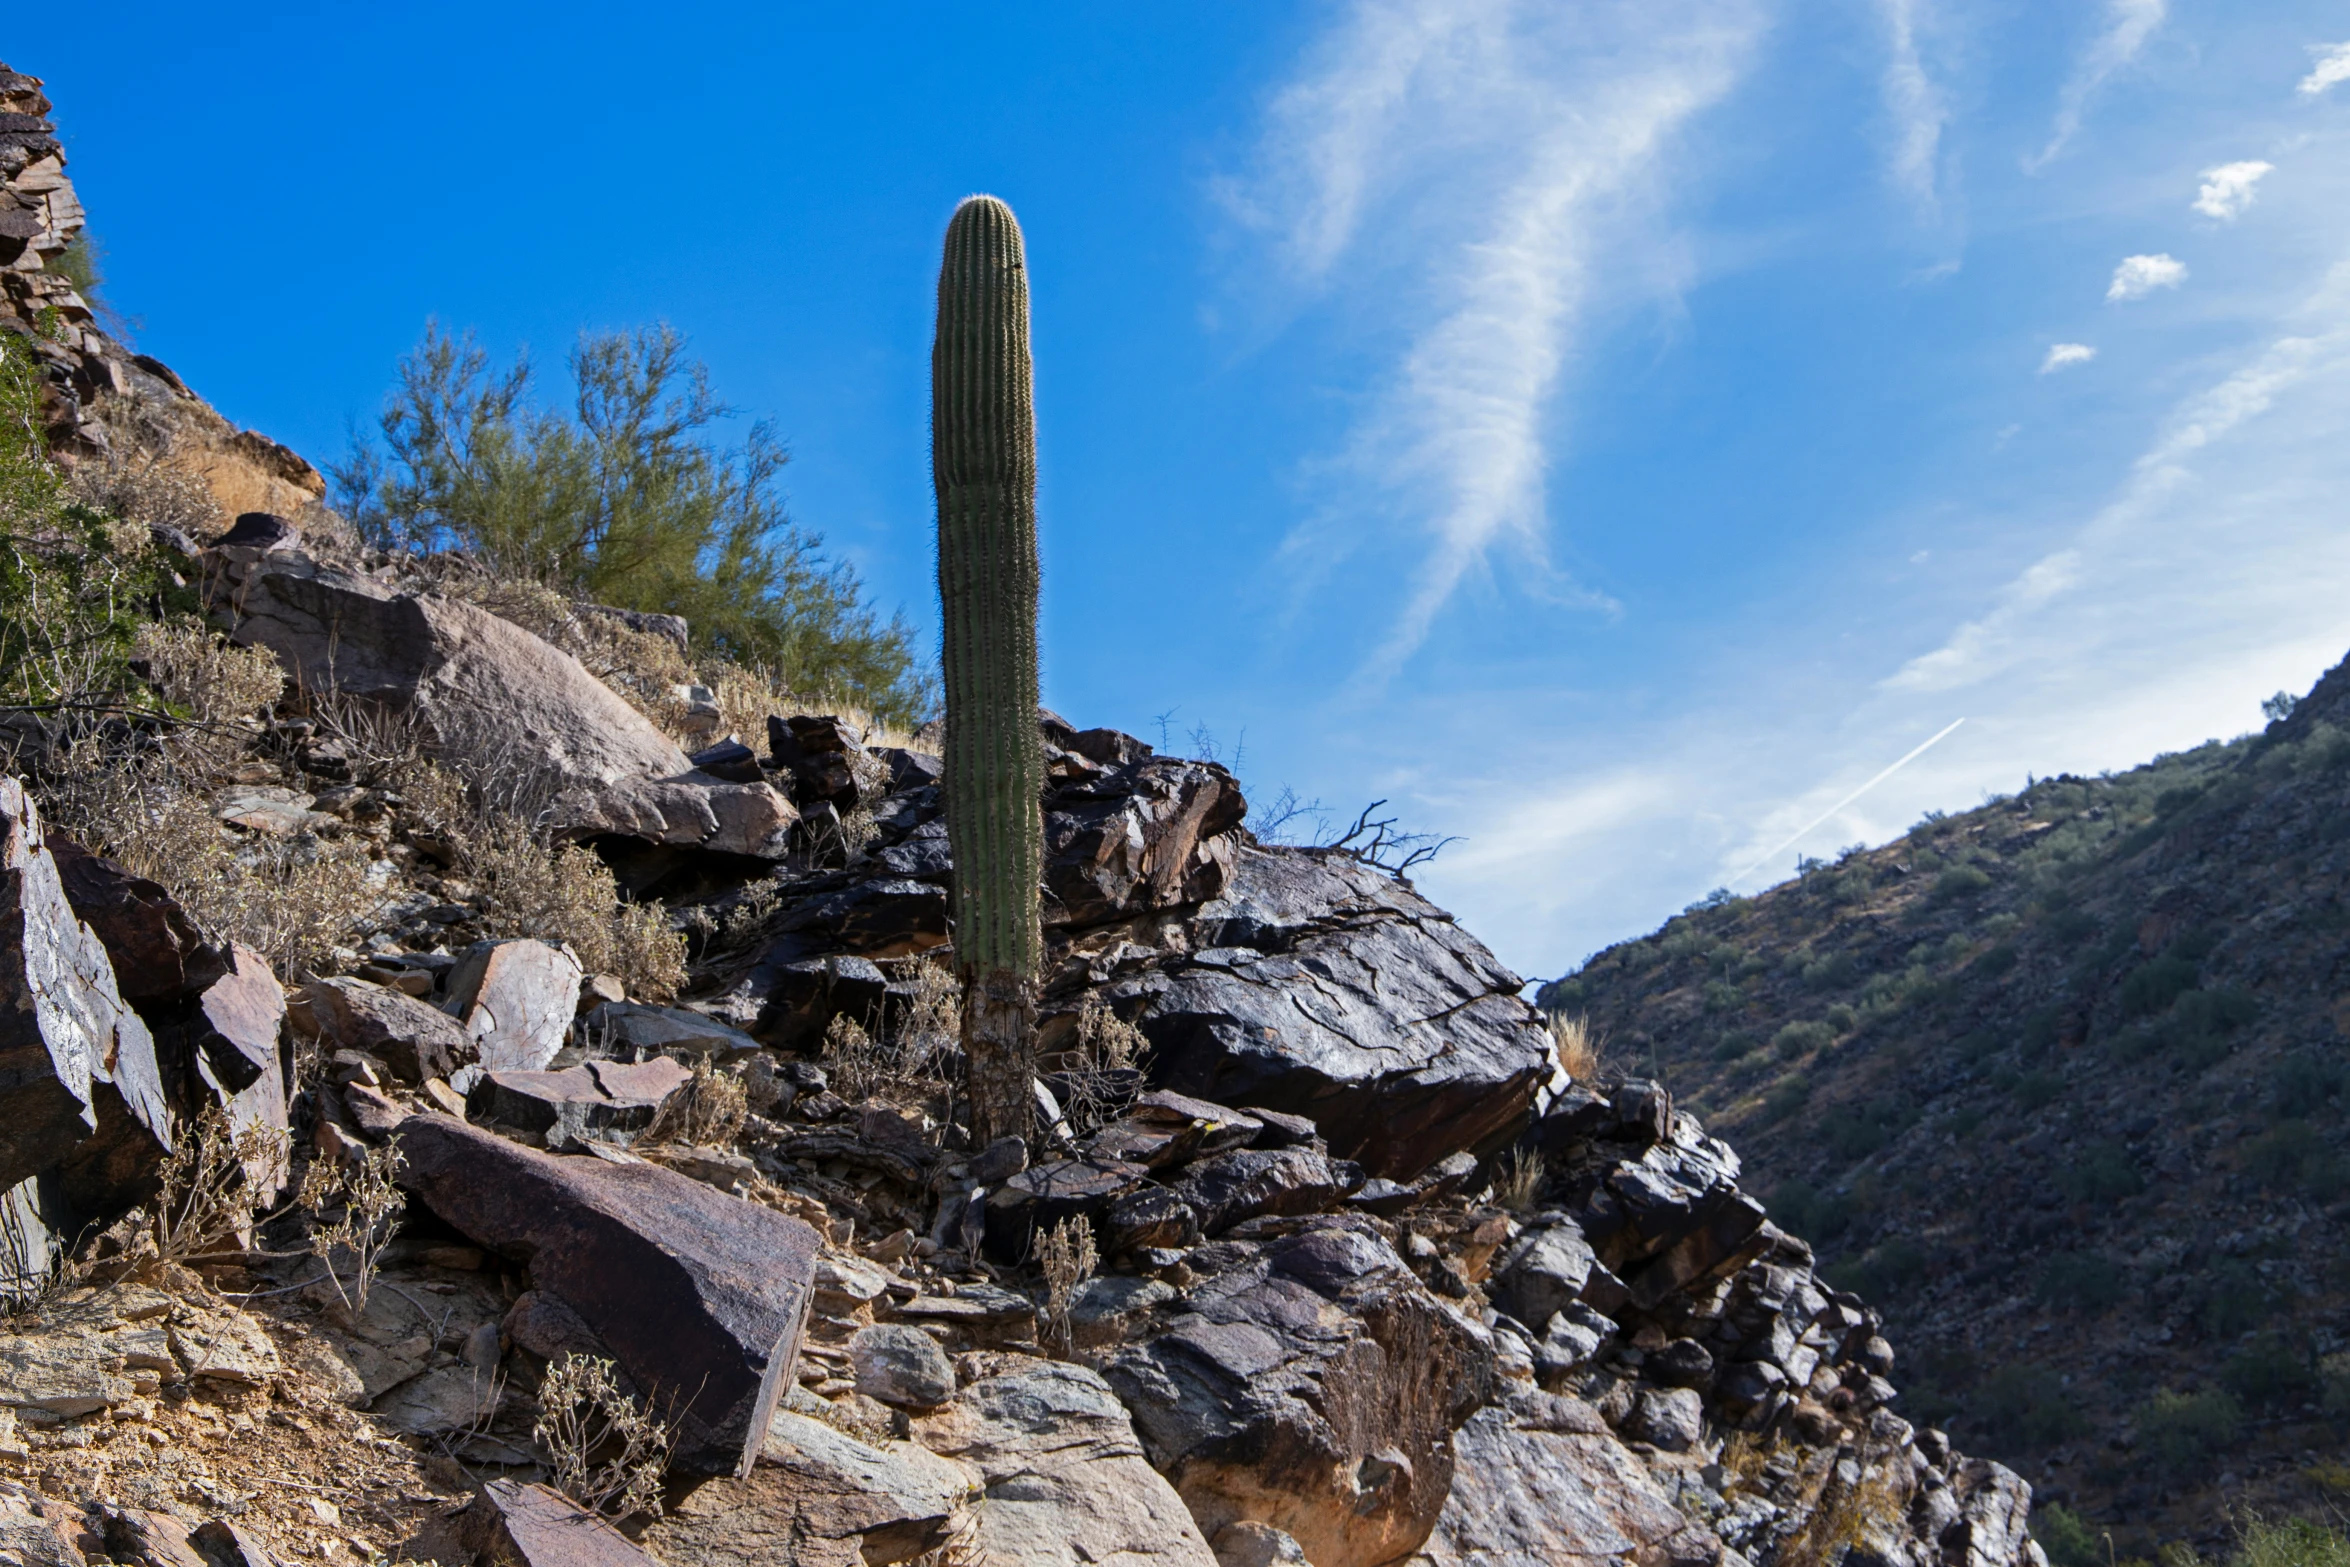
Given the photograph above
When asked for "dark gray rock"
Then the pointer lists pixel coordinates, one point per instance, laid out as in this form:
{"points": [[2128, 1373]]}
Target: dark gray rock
{"points": [[1251, 1182], [1326, 989], [901, 1365], [595, 1098], [415, 1040], [701, 1296]]}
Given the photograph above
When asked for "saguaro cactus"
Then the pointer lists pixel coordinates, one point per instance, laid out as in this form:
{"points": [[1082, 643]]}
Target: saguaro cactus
{"points": [[983, 464]]}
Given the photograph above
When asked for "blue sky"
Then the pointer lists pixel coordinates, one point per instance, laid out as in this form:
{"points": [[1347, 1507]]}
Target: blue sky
{"points": [[1611, 430]]}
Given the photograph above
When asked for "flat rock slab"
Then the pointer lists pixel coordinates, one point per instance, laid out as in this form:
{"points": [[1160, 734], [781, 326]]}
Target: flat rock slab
{"points": [[701, 1297], [566, 1107], [1066, 1483], [633, 1031], [1323, 988], [418, 1042], [819, 1498], [516, 1000], [538, 1526]]}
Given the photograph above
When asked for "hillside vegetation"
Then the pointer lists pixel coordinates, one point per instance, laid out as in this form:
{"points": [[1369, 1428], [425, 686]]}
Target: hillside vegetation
{"points": [[2060, 1081]]}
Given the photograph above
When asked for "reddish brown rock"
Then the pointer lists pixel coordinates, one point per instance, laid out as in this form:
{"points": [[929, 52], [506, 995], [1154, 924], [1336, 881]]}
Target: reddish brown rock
{"points": [[700, 1296]]}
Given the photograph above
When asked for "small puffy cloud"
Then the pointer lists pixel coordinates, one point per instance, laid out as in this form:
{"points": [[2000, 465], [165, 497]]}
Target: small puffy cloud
{"points": [[2062, 356], [2228, 189], [2331, 67], [2139, 276]]}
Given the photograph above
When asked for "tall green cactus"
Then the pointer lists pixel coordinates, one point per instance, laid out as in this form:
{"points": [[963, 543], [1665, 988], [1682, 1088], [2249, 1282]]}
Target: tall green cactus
{"points": [[983, 464]]}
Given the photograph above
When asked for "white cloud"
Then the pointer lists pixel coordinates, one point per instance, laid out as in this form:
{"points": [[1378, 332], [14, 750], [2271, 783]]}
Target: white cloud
{"points": [[2139, 276], [2332, 68], [2229, 189], [2128, 24], [2062, 356], [1915, 104], [1504, 146]]}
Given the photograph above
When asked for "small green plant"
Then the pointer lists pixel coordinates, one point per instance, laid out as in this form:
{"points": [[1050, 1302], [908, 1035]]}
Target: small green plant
{"points": [[2268, 1371], [1797, 1039], [1959, 881], [2066, 1537], [2154, 985]]}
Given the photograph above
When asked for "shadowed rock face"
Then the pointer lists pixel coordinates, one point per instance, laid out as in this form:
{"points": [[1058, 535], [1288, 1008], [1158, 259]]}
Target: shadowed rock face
{"points": [[79, 1078], [700, 1296]]}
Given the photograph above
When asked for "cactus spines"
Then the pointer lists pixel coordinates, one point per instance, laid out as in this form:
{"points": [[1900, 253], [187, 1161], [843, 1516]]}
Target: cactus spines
{"points": [[983, 465]]}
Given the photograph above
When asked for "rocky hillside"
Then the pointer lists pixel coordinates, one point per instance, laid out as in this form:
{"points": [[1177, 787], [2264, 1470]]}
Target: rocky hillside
{"points": [[2059, 1082], [481, 1083]]}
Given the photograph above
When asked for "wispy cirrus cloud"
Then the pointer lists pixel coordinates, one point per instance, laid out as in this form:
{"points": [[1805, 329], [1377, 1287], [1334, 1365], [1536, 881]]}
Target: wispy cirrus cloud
{"points": [[2128, 24], [1915, 104], [2229, 189], [1489, 153]]}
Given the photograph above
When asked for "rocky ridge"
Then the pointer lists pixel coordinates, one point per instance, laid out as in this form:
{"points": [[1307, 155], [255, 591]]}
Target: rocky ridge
{"points": [[2057, 1081]]}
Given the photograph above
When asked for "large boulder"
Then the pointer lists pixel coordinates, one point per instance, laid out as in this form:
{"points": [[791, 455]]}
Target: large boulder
{"points": [[1309, 1383], [157, 952], [415, 1040], [701, 1297], [1064, 1481], [1543, 1480], [510, 704], [515, 1000], [1327, 989], [79, 1078]]}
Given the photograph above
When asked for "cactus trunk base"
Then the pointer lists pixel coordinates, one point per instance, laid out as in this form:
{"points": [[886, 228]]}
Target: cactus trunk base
{"points": [[999, 1027]]}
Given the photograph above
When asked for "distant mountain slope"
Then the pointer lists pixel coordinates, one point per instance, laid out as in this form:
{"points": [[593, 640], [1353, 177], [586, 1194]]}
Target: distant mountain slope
{"points": [[2060, 1083]]}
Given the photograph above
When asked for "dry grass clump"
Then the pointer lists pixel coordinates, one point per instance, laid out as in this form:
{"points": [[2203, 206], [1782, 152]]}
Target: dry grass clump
{"points": [[1849, 1511], [534, 886], [709, 1111], [368, 1192], [292, 902], [210, 1182], [1099, 1069], [219, 686], [135, 481], [910, 1061], [1065, 1254], [1578, 1050], [609, 1454], [1517, 1180]]}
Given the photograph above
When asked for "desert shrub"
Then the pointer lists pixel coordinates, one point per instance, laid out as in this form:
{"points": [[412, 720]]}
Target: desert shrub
{"points": [[1886, 1268], [1997, 961], [708, 1111], [2229, 1300], [73, 582], [1806, 1211], [1854, 1131], [2066, 1537], [2104, 1172], [1065, 1255], [2154, 985], [2081, 1281], [2026, 1405], [560, 892], [2306, 1079], [1787, 1096], [1685, 940], [625, 500], [2040, 1030], [1842, 1019], [2033, 1090], [1794, 1039], [1732, 1045], [2291, 1156], [1959, 881], [1723, 997], [1099, 1072], [367, 1192], [1832, 972], [2297, 1542], [2179, 1432], [2268, 1370]]}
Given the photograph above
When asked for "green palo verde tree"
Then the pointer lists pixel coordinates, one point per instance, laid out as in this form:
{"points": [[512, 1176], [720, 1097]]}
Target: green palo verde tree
{"points": [[983, 464]]}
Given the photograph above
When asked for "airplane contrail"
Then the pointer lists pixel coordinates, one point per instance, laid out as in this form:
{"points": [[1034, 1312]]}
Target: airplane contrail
{"points": [[1761, 859]]}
